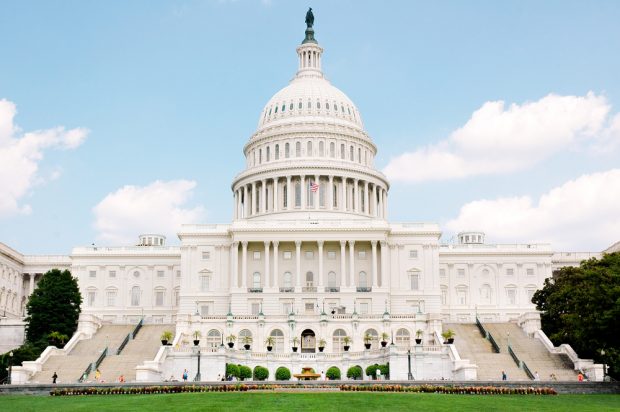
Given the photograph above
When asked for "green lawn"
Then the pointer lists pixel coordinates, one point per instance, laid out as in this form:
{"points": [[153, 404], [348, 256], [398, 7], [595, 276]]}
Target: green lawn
{"points": [[322, 402]]}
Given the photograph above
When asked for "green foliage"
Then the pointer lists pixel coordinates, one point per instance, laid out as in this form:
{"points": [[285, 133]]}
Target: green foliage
{"points": [[385, 370], [232, 370], [53, 306], [372, 371], [283, 374], [581, 307], [333, 373], [27, 352], [354, 372], [245, 372], [261, 373], [57, 338]]}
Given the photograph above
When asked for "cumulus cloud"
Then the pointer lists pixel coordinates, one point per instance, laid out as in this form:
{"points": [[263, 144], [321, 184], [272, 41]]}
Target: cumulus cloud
{"points": [[500, 139], [20, 154], [157, 208], [580, 214]]}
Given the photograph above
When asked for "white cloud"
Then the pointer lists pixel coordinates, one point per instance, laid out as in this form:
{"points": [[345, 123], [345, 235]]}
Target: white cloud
{"points": [[157, 208], [500, 139], [20, 154], [581, 214]]}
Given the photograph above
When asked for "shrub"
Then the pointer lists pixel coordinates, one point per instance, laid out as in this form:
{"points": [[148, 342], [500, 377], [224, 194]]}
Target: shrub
{"points": [[354, 372], [333, 373], [232, 370], [245, 372], [283, 374], [371, 371], [261, 373], [385, 370]]}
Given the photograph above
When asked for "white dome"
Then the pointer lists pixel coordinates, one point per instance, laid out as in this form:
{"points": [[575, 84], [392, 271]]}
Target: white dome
{"points": [[310, 98]]}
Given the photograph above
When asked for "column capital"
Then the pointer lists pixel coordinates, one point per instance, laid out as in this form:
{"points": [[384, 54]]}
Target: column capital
{"points": [[373, 243], [288, 178], [351, 243], [298, 243], [320, 243], [235, 243], [343, 243], [383, 243], [276, 243], [267, 243], [244, 243]]}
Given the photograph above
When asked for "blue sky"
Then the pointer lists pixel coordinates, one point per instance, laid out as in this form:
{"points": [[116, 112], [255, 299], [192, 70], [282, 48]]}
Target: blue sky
{"points": [[164, 94]]}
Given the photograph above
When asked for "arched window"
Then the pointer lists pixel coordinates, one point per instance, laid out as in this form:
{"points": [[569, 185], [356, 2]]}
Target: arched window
{"points": [[135, 296], [285, 196], [332, 280], [288, 280], [91, 297], [351, 153], [338, 340], [309, 149], [335, 196], [214, 339], [297, 149], [444, 295], [309, 279], [260, 156], [359, 155], [277, 152], [283, 106], [321, 148], [363, 280], [342, 151], [374, 341], [403, 338], [243, 334], [256, 283], [297, 194], [300, 105], [160, 296], [268, 154], [278, 336], [287, 150], [327, 105], [110, 296], [332, 149]]}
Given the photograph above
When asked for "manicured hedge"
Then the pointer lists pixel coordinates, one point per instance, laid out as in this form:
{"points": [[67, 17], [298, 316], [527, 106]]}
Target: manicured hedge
{"points": [[245, 372], [371, 370], [283, 374], [261, 373], [232, 370], [354, 372], [333, 373]]}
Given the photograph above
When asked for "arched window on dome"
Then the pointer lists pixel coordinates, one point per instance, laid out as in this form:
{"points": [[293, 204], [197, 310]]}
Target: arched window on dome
{"points": [[321, 148], [318, 105], [285, 196], [342, 108], [276, 153], [335, 106], [267, 154], [300, 106], [297, 149], [335, 196], [332, 149], [309, 148], [287, 150], [366, 157], [283, 107], [349, 109], [291, 106], [342, 151], [270, 109], [276, 110], [309, 104], [260, 156], [297, 194], [322, 194], [351, 157], [359, 155], [327, 105], [363, 198]]}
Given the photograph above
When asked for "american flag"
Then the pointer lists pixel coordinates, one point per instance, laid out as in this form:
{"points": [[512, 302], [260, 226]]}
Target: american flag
{"points": [[314, 187]]}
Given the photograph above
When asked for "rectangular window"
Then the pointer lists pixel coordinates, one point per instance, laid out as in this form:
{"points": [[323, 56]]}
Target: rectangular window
{"points": [[461, 297], [442, 273], [206, 255], [335, 196], [322, 194], [255, 308], [204, 310], [309, 307], [342, 151], [511, 294], [159, 298], [92, 273], [285, 196], [361, 254], [364, 308], [112, 274], [530, 272], [177, 297], [204, 283], [178, 273], [256, 255], [415, 281], [331, 255], [111, 298], [160, 273], [413, 254], [461, 272], [530, 294], [287, 308], [510, 272], [287, 255], [309, 255], [91, 298], [444, 296]]}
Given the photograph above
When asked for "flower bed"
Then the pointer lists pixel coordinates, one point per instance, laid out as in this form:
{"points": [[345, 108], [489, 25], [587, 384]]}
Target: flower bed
{"points": [[458, 390]]}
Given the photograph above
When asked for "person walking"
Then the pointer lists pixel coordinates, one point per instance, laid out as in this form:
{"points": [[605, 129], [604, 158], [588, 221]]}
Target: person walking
{"points": [[580, 377], [504, 376], [54, 377], [185, 375], [536, 376], [97, 375]]}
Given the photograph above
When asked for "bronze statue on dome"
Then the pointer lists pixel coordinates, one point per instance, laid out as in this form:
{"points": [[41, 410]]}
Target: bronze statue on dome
{"points": [[309, 18]]}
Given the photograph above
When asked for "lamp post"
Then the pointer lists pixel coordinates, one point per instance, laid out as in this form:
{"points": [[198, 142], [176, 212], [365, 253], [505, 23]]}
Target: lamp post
{"points": [[10, 367], [409, 374], [602, 359], [197, 348]]}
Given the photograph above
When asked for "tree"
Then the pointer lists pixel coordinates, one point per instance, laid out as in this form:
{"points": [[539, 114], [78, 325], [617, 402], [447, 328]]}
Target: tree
{"points": [[581, 306], [54, 306]]}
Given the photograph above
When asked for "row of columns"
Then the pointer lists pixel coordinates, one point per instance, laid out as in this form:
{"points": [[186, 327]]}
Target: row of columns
{"points": [[253, 198], [271, 276]]}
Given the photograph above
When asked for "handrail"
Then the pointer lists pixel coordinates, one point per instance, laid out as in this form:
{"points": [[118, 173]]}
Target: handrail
{"points": [[101, 357], [493, 343], [483, 331], [122, 345], [137, 328], [520, 363], [514, 356], [527, 371], [94, 365]]}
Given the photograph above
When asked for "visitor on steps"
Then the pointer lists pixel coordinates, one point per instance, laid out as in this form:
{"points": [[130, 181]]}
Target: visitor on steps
{"points": [[504, 376], [54, 377], [536, 376], [185, 375], [97, 375]]}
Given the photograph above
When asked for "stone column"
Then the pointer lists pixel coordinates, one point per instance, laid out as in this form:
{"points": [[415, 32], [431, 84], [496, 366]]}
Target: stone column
{"points": [[320, 284], [274, 275], [343, 197], [374, 200], [244, 264], [263, 196], [366, 199], [303, 192], [343, 262], [298, 262], [267, 269], [356, 197], [244, 203], [330, 195], [373, 243], [275, 195], [289, 205], [31, 284], [385, 278], [351, 280], [380, 210]]}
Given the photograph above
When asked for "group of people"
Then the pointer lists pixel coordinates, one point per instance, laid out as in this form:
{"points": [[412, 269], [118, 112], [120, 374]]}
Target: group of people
{"points": [[580, 377]]}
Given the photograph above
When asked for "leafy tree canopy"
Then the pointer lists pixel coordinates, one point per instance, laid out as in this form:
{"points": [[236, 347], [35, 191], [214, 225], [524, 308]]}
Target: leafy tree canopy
{"points": [[54, 306], [581, 306]]}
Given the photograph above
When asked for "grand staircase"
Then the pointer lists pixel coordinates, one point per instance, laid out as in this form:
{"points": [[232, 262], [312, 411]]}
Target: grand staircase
{"points": [[143, 347], [70, 367], [532, 352], [471, 345]]}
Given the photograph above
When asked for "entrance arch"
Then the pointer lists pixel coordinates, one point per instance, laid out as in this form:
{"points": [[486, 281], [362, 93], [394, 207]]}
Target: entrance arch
{"points": [[308, 341]]}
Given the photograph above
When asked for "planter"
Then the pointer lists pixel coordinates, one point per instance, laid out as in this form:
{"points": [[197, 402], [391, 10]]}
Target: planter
{"points": [[269, 348], [164, 342], [346, 348], [321, 348], [367, 345], [294, 348], [196, 342], [383, 344], [246, 346], [451, 341], [231, 344], [418, 341]]}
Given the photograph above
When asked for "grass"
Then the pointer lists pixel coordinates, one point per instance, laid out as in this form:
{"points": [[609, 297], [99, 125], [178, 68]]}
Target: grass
{"points": [[187, 402]]}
